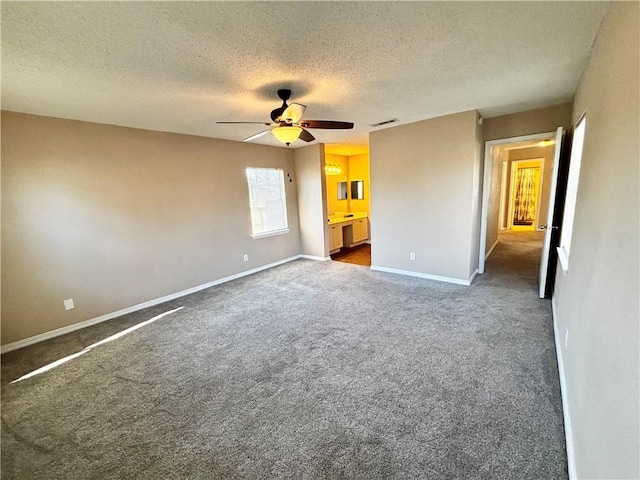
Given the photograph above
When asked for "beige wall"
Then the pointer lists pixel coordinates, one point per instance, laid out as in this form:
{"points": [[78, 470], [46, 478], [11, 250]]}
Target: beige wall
{"points": [[422, 179], [597, 300], [312, 204], [540, 120], [113, 217]]}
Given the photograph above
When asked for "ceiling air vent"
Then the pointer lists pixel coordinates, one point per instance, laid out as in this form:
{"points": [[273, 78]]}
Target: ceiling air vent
{"points": [[379, 124]]}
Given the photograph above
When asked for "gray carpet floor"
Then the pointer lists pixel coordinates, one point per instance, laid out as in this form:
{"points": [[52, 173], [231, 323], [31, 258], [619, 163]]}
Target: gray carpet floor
{"points": [[307, 370]]}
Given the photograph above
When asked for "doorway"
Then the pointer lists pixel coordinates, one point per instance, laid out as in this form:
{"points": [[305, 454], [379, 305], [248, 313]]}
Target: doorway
{"points": [[348, 191], [519, 191], [524, 194]]}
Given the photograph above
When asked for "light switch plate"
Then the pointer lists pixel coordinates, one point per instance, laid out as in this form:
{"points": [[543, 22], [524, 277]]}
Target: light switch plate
{"points": [[68, 304]]}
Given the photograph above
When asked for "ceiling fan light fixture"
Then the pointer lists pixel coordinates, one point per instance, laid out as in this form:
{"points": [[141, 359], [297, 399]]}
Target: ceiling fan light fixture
{"points": [[286, 134]]}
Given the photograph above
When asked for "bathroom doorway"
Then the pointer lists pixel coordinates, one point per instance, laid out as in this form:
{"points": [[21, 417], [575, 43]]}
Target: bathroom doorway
{"points": [[348, 201], [524, 195]]}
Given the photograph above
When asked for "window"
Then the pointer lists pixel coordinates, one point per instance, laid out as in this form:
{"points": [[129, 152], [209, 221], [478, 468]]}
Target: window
{"points": [[267, 201], [572, 194]]}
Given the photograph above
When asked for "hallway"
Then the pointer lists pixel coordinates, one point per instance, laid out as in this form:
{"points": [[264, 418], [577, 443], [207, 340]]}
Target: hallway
{"points": [[517, 254]]}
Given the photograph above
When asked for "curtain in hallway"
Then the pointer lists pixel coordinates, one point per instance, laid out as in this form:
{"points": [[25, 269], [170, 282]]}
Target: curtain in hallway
{"points": [[524, 209]]}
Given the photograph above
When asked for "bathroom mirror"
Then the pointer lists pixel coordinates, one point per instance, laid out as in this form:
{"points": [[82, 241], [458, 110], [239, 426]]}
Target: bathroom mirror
{"points": [[342, 190], [357, 190]]}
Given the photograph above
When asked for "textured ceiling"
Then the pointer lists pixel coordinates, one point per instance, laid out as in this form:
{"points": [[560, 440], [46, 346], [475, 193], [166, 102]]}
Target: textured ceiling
{"points": [[182, 66]]}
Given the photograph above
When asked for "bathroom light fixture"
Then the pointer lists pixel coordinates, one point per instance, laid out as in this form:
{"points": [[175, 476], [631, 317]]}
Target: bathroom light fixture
{"points": [[332, 169], [546, 143], [286, 134]]}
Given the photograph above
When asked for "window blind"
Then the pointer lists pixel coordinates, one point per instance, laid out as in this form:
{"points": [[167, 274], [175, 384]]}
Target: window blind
{"points": [[267, 201]]}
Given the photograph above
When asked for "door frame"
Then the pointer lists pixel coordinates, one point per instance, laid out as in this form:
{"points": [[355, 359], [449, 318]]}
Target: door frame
{"points": [[488, 145], [514, 167], [503, 223]]}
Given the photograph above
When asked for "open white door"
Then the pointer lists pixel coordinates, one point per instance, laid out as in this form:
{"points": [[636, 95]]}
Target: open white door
{"points": [[546, 245]]}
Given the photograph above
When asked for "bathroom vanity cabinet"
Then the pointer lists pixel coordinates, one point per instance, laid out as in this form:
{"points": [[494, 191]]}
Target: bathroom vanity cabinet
{"points": [[335, 237], [360, 230], [347, 231]]}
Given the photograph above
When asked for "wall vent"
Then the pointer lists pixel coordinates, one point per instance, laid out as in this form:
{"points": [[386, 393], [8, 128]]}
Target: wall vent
{"points": [[379, 124]]}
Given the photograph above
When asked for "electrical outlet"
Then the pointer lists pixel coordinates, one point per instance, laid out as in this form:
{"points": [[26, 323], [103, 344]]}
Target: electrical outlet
{"points": [[68, 304], [566, 337], [412, 256], [245, 257]]}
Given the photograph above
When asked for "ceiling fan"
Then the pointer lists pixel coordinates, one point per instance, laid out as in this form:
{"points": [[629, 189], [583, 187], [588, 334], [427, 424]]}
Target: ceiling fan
{"points": [[287, 124]]}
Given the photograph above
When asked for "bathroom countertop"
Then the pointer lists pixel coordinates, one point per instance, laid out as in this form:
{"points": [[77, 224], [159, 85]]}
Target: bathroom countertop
{"points": [[335, 219]]}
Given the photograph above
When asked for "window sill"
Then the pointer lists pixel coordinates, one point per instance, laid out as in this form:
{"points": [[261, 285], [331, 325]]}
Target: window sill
{"points": [[270, 234], [564, 259]]}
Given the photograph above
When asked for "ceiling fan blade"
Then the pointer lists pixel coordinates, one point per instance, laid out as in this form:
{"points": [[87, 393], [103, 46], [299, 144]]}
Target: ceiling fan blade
{"points": [[257, 135], [325, 124], [306, 136], [255, 123], [293, 113]]}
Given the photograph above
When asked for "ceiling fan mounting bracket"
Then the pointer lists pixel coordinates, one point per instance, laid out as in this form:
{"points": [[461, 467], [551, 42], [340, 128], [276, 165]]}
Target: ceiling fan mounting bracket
{"points": [[284, 94]]}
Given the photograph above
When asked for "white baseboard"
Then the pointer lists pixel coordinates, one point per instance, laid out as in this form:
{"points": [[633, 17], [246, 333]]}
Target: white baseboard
{"points": [[409, 273], [473, 275], [568, 433], [491, 250], [108, 316], [314, 257]]}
